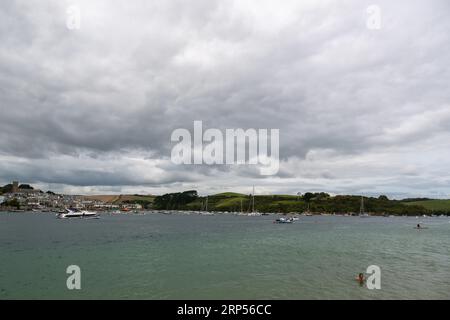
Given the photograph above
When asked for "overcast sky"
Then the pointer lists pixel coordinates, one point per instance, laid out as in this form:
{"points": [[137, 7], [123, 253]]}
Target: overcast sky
{"points": [[360, 110]]}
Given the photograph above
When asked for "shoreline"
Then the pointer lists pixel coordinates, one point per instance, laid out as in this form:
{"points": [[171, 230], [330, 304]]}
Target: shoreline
{"points": [[214, 213]]}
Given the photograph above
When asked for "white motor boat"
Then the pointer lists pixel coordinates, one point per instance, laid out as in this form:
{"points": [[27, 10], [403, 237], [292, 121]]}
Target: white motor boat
{"points": [[75, 213]]}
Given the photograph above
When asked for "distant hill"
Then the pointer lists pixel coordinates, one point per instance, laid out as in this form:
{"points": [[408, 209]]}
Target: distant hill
{"points": [[432, 204], [415, 199], [231, 194], [317, 202], [9, 187], [6, 188], [145, 200], [26, 186]]}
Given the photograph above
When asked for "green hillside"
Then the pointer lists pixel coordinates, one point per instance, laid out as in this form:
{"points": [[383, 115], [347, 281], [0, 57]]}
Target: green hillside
{"points": [[317, 202], [434, 205]]}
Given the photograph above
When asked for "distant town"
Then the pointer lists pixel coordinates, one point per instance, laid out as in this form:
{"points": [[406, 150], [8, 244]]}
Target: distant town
{"points": [[23, 197]]}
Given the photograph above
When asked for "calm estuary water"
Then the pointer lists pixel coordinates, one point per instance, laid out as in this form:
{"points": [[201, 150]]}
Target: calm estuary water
{"points": [[158, 256]]}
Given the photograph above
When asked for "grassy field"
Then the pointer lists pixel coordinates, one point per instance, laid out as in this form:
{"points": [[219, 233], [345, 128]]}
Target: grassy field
{"points": [[118, 199], [432, 204]]}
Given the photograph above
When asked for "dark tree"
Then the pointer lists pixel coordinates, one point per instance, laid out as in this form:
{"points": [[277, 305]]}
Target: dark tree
{"points": [[308, 196], [174, 201], [26, 186]]}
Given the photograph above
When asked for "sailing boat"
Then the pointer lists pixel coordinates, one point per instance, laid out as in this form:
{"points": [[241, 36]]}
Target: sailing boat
{"points": [[253, 213], [362, 214], [307, 212], [206, 212]]}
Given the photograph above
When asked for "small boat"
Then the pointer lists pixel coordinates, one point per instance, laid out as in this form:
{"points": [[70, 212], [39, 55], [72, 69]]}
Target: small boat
{"points": [[254, 214], [284, 220], [362, 214], [307, 212], [75, 213]]}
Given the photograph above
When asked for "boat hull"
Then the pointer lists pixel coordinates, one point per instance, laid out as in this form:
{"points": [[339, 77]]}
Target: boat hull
{"points": [[78, 214]]}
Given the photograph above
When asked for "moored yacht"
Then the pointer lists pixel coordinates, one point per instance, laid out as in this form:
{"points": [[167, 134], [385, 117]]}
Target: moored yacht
{"points": [[75, 213], [362, 212]]}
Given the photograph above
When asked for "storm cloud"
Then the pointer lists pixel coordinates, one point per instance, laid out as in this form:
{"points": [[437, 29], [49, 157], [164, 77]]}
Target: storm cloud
{"points": [[360, 110]]}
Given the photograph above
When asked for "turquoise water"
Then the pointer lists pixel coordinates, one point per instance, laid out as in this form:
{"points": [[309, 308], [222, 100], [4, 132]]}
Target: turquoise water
{"points": [[156, 256]]}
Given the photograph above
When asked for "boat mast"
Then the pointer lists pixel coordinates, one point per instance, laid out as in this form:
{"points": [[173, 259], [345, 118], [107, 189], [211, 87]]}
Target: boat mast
{"points": [[361, 208], [253, 200], [206, 206]]}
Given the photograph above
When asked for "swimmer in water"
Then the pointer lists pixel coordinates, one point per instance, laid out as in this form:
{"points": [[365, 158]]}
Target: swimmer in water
{"points": [[418, 226], [360, 278]]}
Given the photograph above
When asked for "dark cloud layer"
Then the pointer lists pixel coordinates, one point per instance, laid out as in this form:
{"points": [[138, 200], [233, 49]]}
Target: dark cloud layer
{"points": [[358, 110]]}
